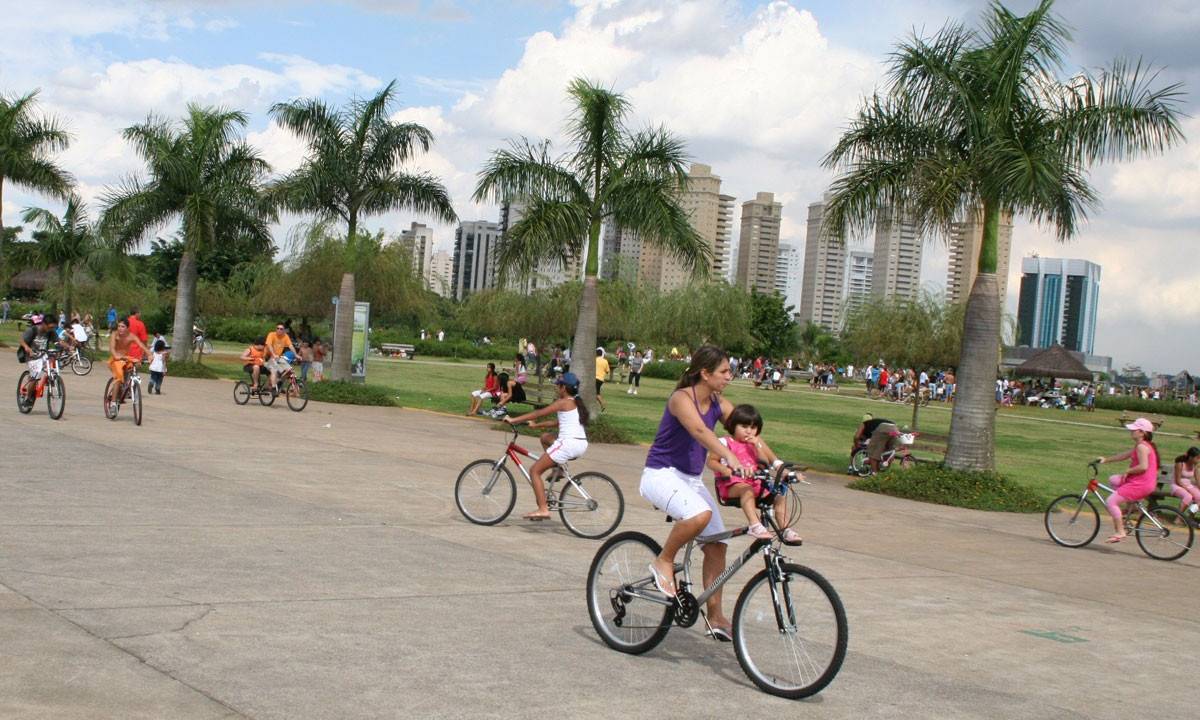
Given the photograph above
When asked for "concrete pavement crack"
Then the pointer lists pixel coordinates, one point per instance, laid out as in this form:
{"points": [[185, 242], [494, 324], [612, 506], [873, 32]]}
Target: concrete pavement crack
{"points": [[207, 611]]}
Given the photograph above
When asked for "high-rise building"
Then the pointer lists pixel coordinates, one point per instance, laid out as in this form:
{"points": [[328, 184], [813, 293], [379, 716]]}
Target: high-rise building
{"points": [[788, 271], [441, 273], [758, 246], [965, 240], [824, 267], [474, 266], [723, 260], [620, 254], [896, 265], [549, 272], [1058, 303], [419, 241], [859, 266], [711, 216]]}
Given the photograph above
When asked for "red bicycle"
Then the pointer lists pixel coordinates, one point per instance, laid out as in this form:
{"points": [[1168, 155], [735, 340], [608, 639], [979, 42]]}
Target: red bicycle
{"points": [[590, 504], [49, 383]]}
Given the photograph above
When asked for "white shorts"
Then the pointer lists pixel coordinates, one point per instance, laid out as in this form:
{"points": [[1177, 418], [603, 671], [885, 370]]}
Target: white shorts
{"points": [[318, 367], [566, 449], [483, 394], [681, 496]]}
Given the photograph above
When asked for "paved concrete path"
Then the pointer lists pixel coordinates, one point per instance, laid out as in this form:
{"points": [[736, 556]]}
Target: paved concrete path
{"points": [[225, 561]]}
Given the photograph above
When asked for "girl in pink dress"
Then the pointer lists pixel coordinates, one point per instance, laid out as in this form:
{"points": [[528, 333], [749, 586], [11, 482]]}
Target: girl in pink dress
{"points": [[1139, 480], [744, 425]]}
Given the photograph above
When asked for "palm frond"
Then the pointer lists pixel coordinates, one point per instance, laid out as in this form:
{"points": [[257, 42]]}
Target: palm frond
{"points": [[551, 230], [1021, 49], [595, 128], [526, 170], [650, 207], [311, 120], [420, 193], [654, 153]]}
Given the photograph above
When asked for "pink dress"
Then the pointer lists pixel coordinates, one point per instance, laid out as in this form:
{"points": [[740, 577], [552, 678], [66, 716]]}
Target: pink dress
{"points": [[1136, 487], [747, 455]]}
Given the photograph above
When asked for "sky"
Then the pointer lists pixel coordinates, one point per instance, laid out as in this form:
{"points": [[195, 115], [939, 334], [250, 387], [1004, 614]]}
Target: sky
{"points": [[758, 90]]}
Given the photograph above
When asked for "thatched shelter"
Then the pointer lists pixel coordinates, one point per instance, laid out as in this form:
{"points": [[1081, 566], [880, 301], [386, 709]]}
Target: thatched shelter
{"points": [[1055, 362]]}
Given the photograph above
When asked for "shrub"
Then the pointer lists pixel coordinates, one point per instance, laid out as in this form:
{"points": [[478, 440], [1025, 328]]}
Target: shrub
{"points": [[237, 329], [160, 319], [348, 393], [930, 482], [191, 370], [665, 370], [1147, 407], [603, 430]]}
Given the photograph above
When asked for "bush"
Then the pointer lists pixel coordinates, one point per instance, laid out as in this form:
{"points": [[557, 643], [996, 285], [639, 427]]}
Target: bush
{"points": [[602, 430], [237, 329], [1147, 407], [460, 349], [160, 319], [348, 393], [665, 370], [929, 482], [191, 370]]}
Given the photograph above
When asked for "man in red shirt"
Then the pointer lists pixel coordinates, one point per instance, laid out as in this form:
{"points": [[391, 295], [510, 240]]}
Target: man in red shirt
{"points": [[138, 329]]}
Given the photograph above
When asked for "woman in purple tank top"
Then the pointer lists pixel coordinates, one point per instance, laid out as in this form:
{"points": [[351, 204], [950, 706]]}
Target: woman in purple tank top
{"points": [[672, 478]]}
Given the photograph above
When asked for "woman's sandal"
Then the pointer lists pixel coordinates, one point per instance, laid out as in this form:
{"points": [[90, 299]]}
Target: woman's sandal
{"points": [[1115, 539], [664, 584], [536, 516]]}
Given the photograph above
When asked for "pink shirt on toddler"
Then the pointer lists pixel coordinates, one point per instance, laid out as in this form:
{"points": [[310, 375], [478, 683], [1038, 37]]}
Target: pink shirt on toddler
{"points": [[1136, 487], [747, 455]]}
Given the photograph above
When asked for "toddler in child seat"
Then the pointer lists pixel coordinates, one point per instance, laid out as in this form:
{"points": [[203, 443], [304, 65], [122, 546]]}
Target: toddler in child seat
{"points": [[744, 426]]}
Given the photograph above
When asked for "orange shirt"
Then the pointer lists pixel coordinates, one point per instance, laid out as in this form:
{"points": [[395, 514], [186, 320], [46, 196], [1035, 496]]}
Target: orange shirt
{"points": [[278, 342], [256, 355]]}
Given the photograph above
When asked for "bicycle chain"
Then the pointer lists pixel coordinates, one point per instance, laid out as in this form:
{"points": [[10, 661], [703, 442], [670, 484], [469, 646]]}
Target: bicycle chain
{"points": [[687, 610]]}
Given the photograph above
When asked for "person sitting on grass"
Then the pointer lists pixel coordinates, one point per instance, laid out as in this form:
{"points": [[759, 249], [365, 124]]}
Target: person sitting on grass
{"points": [[489, 391], [571, 417], [1139, 480], [744, 426], [255, 357], [510, 391]]}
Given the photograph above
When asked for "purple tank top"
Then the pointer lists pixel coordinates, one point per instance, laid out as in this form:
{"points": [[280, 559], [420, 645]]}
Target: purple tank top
{"points": [[674, 446]]}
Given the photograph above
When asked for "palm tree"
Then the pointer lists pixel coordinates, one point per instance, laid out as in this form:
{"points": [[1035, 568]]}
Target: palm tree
{"points": [[632, 179], [26, 141], [978, 121], [202, 175], [353, 169], [66, 244]]}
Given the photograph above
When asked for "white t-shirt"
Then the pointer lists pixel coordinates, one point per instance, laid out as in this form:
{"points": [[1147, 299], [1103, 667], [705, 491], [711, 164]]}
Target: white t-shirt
{"points": [[79, 333], [159, 362]]}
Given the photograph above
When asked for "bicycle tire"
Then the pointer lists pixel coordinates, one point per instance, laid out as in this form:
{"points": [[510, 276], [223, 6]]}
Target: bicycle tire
{"points": [[859, 463], [1072, 521], [56, 393], [297, 395], [495, 493], [206, 348], [907, 461], [81, 365], [623, 561], [23, 403], [111, 409], [135, 399], [596, 519], [804, 665], [241, 392], [266, 393], [1172, 541]]}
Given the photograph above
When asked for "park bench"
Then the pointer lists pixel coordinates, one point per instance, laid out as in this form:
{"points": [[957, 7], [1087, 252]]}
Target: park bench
{"points": [[931, 443], [403, 350], [537, 394]]}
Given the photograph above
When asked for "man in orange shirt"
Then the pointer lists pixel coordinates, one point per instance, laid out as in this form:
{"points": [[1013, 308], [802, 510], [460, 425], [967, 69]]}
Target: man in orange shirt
{"points": [[138, 329], [278, 342]]}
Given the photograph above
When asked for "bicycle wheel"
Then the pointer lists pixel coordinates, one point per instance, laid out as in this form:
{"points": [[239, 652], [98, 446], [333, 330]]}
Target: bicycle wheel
{"points": [[790, 640], [81, 364], [626, 622], [1169, 539], [56, 397], [207, 347], [592, 506], [1072, 521], [110, 408], [858, 463], [135, 399], [485, 494], [297, 395], [24, 404], [241, 392], [266, 393]]}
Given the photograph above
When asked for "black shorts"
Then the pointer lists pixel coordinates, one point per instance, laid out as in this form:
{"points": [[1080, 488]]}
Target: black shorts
{"points": [[249, 368], [599, 384]]}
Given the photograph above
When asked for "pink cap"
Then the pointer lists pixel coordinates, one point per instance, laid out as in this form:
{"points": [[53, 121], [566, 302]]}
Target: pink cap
{"points": [[1141, 424]]}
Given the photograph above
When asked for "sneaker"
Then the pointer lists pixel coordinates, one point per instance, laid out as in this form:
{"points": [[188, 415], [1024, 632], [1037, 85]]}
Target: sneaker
{"points": [[1193, 508], [635, 392], [629, 391]]}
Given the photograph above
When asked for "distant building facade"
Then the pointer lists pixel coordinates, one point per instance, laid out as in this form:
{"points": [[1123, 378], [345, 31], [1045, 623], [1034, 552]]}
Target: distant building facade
{"points": [[549, 272], [859, 267], [965, 240], [788, 272], [824, 268], [758, 246], [419, 241], [1058, 303], [441, 273], [474, 266], [896, 262]]}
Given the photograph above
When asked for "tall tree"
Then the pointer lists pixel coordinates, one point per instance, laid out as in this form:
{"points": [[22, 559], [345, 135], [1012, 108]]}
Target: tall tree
{"points": [[202, 175], [354, 169], [64, 244], [978, 121], [631, 179], [26, 142]]}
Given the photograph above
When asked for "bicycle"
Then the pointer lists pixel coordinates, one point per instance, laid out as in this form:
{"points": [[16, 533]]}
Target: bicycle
{"points": [[243, 391], [858, 460], [1073, 521], [130, 390], [76, 359], [789, 625], [200, 344], [49, 383], [590, 504]]}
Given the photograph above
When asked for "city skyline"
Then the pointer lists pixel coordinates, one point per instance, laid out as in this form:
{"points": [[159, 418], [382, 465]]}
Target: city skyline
{"points": [[477, 75]]}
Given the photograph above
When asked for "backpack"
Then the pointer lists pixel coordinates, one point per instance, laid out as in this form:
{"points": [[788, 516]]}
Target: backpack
{"points": [[22, 356]]}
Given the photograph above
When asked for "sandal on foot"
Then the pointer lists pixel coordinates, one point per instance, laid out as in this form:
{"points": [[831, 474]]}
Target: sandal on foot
{"points": [[791, 537], [1116, 539], [664, 584], [758, 530], [537, 516], [720, 634]]}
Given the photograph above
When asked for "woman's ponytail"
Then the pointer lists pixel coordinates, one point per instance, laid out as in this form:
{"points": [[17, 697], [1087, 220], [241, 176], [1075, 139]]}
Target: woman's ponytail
{"points": [[584, 416]]}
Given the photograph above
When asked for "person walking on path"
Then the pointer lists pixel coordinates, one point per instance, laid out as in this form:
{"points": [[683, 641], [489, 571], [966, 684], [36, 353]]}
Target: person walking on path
{"points": [[1139, 480], [138, 328], [602, 371], [6, 308], [318, 361], [635, 373], [671, 480], [111, 317]]}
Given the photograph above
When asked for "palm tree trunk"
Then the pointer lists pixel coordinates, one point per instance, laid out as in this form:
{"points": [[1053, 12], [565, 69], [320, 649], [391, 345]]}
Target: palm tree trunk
{"points": [[583, 351], [343, 330], [185, 306]]}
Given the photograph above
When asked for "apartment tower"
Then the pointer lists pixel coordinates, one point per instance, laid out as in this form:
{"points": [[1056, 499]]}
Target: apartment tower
{"points": [[758, 247], [896, 265], [824, 268], [474, 266], [965, 240], [859, 267], [1058, 303], [441, 273], [419, 241], [711, 216], [788, 270]]}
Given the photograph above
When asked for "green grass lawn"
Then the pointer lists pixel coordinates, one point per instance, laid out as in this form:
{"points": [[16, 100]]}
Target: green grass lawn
{"points": [[1045, 449]]}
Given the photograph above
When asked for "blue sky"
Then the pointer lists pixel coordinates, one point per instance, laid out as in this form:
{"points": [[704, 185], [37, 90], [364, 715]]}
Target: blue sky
{"points": [[759, 91]]}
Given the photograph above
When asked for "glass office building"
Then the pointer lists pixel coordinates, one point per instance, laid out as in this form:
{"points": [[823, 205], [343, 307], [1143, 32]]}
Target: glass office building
{"points": [[1057, 303]]}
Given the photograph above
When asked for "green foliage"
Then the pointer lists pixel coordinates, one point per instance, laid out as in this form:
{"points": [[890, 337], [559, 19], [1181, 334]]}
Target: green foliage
{"points": [[348, 393], [602, 429], [158, 319], [237, 329], [929, 482], [215, 262], [772, 324], [922, 332], [191, 370], [666, 370], [1147, 407], [816, 344]]}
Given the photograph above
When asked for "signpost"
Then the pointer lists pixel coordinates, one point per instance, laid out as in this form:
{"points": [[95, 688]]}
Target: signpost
{"points": [[358, 343]]}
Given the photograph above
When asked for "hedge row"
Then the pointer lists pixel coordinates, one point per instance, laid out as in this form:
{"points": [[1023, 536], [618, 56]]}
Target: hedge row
{"points": [[348, 393], [930, 482], [1147, 407]]}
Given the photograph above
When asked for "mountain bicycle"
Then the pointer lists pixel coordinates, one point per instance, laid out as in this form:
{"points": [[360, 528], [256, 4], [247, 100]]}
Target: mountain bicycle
{"points": [[590, 504], [49, 383], [901, 454], [789, 625], [76, 359], [130, 391], [1162, 532]]}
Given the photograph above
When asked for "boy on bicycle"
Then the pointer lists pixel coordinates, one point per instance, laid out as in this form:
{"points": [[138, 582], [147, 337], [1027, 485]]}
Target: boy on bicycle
{"points": [[120, 343], [255, 356]]}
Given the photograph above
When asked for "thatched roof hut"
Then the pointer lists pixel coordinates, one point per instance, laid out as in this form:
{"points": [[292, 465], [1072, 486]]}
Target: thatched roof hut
{"points": [[1056, 362]]}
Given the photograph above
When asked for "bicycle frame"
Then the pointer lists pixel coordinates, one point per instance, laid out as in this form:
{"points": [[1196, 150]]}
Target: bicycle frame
{"points": [[1094, 487], [514, 452]]}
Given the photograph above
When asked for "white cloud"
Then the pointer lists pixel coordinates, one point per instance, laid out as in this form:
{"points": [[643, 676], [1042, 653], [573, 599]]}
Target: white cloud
{"points": [[314, 79], [1164, 187]]}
